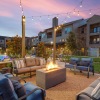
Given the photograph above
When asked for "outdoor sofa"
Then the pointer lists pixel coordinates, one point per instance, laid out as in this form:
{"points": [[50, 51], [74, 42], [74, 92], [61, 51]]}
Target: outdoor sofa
{"points": [[92, 92], [83, 64], [27, 65], [13, 90]]}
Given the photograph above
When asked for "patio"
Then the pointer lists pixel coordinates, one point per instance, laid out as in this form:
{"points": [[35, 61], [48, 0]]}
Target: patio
{"points": [[67, 90]]}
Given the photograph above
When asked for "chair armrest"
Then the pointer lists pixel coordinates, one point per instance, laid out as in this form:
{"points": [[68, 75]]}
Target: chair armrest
{"points": [[84, 93], [21, 98]]}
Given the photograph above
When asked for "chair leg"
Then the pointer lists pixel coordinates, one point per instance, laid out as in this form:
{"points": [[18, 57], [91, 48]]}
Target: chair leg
{"points": [[93, 72], [88, 73], [74, 70]]}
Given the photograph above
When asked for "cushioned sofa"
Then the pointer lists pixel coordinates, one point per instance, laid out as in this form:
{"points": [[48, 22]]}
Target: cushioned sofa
{"points": [[28, 65], [92, 92], [13, 90]]}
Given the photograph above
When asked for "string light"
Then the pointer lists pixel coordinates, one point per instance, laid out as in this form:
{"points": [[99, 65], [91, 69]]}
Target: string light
{"points": [[90, 12], [40, 17], [32, 17], [48, 17], [78, 13], [74, 11], [81, 3], [20, 4], [22, 11], [57, 16]]}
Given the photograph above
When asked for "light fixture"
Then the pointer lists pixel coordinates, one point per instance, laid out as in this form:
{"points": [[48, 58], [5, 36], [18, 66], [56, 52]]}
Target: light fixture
{"points": [[48, 17], [74, 11], [90, 12], [81, 3], [78, 13]]}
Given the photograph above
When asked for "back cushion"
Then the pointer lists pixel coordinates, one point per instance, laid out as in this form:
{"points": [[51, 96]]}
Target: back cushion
{"points": [[96, 92], [37, 61], [30, 62], [73, 62], [7, 89], [84, 63], [19, 89], [42, 61]]}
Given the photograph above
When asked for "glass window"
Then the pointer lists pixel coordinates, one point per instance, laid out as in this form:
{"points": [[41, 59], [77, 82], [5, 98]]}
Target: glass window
{"points": [[95, 30], [43, 35], [68, 30]]}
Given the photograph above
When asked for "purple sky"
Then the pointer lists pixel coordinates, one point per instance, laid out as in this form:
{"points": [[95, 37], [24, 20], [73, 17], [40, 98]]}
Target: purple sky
{"points": [[10, 14]]}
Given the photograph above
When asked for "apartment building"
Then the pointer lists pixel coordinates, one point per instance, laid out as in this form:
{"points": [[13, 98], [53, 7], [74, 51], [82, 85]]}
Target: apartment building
{"points": [[3, 40], [34, 41], [61, 34], [93, 35]]}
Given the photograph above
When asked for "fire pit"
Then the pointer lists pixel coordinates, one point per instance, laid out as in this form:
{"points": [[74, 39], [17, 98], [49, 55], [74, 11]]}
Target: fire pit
{"points": [[50, 76]]}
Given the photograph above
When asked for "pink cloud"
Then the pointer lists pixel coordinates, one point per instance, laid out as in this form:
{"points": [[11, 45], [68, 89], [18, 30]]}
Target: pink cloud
{"points": [[6, 14], [46, 6]]}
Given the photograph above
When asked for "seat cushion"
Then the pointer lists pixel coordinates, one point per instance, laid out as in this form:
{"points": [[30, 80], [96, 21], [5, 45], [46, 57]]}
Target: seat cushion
{"points": [[30, 62], [23, 70], [34, 68], [7, 89], [37, 95]]}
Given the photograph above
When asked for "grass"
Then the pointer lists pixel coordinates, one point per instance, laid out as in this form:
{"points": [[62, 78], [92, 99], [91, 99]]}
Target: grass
{"points": [[96, 67]]}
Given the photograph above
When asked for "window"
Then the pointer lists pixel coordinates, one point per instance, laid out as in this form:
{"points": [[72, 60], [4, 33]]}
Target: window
{"points": [[68, 30], [95, 30], [43, 35], [39, 38], [58, 33], [82, 30], [49, 35]]}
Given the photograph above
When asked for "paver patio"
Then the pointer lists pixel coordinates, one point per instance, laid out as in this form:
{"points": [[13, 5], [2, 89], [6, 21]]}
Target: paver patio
{"points": [[67, 90]]}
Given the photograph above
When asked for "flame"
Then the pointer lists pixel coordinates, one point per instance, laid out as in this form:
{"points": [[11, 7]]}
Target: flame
{"points": [[51, 66]]}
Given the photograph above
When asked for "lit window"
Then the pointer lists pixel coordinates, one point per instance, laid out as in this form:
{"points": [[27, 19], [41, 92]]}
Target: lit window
{"points": [[68, 30]]}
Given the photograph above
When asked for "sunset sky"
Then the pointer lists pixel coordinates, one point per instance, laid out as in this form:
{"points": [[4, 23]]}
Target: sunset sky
{"points": [[11, 13]]}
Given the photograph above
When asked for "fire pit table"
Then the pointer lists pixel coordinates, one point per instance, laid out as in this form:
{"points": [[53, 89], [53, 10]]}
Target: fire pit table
{"points": [[49, 78]]}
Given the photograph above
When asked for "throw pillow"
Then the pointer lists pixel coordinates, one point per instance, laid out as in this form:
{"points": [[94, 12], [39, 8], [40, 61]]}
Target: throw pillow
{"points": [[19, 89], [96, 92], [22, 62], [17, 63]]}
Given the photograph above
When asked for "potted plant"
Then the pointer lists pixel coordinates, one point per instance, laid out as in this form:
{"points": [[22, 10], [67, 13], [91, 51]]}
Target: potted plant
{"points": [[9, 67]]}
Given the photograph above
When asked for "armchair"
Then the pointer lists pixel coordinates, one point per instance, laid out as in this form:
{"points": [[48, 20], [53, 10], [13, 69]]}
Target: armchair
{"points": [[86, 64], [72, 63], [7, 91]]}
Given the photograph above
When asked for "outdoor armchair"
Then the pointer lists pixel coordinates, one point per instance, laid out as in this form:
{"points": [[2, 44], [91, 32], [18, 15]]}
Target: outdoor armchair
{"points": [[8, 90], [86, 64], [72, 63]]}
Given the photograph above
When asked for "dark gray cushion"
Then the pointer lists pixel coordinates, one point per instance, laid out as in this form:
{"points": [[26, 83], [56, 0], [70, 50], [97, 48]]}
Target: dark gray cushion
{"points": [[19, 89], [96, 92], [73, 62], [84, 63], [6, 89]]}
